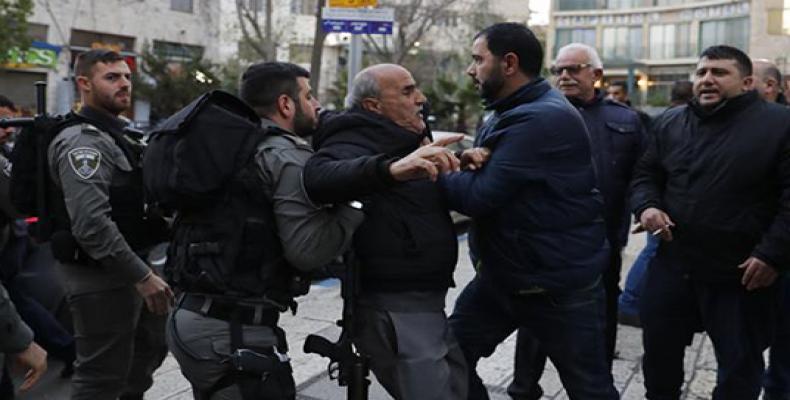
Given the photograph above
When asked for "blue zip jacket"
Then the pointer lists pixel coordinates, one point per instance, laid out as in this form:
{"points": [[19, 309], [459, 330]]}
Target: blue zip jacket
{"points": [[617, 140], [536, 212]]}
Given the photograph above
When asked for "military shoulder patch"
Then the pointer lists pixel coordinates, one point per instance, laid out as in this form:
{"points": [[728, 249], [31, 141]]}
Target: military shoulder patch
{"points": [[84, 161], [88, 128]]}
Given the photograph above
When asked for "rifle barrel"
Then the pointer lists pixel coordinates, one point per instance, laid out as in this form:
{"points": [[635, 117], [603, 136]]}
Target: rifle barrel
{"points": [[19, 122], [41, 97]]}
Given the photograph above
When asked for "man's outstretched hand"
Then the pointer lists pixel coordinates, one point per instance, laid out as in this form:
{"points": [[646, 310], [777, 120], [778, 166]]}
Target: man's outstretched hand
{"points": [[428, 161]]}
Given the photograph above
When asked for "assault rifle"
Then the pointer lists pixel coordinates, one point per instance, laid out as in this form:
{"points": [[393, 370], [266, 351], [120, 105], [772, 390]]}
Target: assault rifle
{"points": [[346, 363], [41, 109]]}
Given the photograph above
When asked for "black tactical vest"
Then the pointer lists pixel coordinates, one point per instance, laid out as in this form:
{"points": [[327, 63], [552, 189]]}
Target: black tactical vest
{"points": [[127, 199], [139, 227], [232, 248]]}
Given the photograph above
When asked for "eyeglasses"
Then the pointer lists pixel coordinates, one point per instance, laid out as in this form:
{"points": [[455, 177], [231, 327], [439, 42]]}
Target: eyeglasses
{"points": [[572, 69]]}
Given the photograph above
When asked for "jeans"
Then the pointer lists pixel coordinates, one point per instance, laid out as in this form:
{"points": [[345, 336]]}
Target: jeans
{"points": [[739, 323], [634, 281], [531, 360], [568, 326]]}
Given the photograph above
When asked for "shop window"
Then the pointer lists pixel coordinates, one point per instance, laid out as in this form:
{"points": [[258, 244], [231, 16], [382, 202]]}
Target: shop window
{"points": [[621, 43], [181, 5], [733, 32], [670, 41], [567, 36]]}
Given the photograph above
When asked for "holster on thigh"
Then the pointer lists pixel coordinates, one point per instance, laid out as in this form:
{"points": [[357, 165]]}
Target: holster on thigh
{"points": [[259, 373]]}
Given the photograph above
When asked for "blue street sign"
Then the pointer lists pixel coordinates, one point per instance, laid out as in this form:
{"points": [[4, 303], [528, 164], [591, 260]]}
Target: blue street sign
{"points": [[357, 27], [358, 20]]}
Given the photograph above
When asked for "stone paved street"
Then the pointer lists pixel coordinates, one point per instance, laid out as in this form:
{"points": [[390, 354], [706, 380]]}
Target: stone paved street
{"points": [[319, 310]]}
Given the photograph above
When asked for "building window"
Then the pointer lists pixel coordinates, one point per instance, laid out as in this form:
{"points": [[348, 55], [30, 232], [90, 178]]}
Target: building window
{"points": [[779, 20], [670, 41], [177, 51], [619, 4], [98, 40], [304, 7], [733, 32], [567, 36], [181, 5], [572, 5], [670, 2], [622, 43], [255, 5], [37, 32]]}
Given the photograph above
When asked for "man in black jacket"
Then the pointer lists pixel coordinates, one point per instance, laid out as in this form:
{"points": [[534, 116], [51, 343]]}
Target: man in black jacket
{"points": [[406, 246], [767, 83], [713, 184]]}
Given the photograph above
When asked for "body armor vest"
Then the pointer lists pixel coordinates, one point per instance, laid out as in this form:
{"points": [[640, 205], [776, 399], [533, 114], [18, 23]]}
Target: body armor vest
{"points": [[231, 248], [128, 207], [139, 228]]}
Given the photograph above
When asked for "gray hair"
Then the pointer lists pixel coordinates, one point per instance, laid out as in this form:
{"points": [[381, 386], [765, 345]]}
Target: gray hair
{"points": [[592, 54], [365, 85]]}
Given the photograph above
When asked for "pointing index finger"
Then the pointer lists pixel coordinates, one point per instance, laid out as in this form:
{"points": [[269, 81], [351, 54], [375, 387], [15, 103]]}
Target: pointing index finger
{"points": [[447, 140]]}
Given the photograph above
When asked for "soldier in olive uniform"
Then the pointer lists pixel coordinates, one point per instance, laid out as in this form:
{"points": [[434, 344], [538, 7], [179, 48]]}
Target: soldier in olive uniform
{"points": [[116, 300], [296, 235]]}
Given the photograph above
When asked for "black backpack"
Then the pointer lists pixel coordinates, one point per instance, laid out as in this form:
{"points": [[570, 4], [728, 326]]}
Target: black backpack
{"points": [[193, 154], [199, 162], [31, 189]]}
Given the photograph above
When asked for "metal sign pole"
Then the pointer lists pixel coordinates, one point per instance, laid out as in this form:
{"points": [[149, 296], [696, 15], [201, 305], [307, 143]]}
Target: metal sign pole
{"points": [[354, 57]]}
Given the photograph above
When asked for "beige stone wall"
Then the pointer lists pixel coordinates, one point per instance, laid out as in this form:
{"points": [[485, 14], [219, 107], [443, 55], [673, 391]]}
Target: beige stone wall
{"points": [[145, 21], [764, 43]]}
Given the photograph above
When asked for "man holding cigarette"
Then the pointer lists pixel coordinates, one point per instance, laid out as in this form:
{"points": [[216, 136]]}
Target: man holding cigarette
{"points": [[714, 185]]}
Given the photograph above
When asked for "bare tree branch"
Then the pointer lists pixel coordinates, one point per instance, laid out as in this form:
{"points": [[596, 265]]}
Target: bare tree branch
{"points": [[414, 19], [371, 44], [261, 38]]}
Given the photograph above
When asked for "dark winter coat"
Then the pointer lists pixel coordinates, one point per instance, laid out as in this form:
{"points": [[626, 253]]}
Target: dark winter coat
{"points": [[617, 139], [407, 241], [723, 177], [537, 215]]}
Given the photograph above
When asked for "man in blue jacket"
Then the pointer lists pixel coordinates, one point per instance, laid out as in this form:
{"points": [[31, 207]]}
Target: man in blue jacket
{"points": [[616, 136], [538, 238]]}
